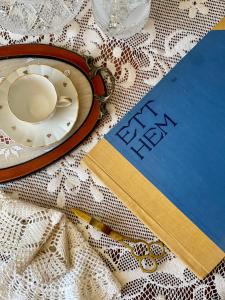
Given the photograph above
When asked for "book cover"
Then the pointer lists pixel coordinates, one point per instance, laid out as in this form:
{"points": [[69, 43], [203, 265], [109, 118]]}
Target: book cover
{"points": [[165, 159]]}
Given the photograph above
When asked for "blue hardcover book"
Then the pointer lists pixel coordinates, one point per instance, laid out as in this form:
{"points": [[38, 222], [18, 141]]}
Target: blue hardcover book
{"points": [[172, 145]]}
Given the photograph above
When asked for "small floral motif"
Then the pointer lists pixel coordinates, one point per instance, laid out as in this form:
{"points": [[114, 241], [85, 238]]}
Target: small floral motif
{"points": [[119, 60], [117, 55], [10, 151], [220, 284], [67, 73], [95, 234], [194, 6], [179, 42], [97, 193], [64, 178], [73, 29]]}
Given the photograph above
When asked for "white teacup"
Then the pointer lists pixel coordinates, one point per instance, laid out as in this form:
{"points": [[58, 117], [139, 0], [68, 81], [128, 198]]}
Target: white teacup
{"points": [[32, 98]]}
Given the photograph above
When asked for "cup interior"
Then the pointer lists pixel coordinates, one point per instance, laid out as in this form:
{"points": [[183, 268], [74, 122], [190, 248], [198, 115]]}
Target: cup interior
{"points": [[32, 98]]}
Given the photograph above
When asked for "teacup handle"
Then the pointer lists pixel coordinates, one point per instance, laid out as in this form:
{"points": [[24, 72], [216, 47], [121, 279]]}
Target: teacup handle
{"points": [[64, 101]]}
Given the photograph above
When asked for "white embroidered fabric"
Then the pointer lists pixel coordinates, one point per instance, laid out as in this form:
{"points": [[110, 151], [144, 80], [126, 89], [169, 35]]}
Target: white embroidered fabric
{"points": [[138, 63], [44, 256]]}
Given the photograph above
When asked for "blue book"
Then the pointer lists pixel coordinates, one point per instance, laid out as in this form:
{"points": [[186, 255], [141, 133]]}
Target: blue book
{"points": [[166, 158]]}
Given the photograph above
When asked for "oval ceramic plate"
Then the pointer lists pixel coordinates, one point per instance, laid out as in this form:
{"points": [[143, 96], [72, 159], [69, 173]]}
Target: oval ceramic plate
{"points": [[61, 59], [49, 131]]}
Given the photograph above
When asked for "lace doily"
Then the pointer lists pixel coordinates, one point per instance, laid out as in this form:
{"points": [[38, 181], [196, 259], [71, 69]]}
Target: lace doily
{"points": [[44, 256], [138, 64]]}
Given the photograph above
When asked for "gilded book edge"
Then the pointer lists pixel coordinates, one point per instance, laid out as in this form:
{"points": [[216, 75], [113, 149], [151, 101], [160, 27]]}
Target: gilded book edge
{"points": [[183, 237]]}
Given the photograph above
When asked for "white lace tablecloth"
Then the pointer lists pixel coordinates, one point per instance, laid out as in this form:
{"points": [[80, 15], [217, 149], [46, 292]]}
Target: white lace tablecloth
{"points": [[138, 64]]}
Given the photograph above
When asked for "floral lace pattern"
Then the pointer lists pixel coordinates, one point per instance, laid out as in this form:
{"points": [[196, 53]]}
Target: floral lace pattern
{"points": [[44, 256], [194, 6], [138, 63]]}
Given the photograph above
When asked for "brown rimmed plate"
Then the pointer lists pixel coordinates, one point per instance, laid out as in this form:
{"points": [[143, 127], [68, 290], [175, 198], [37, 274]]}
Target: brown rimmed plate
{"points": [[91, 88]]}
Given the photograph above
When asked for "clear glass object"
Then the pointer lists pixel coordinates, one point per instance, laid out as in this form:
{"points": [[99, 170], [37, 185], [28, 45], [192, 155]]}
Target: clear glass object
{"points": [[34, 17], [121, 18]]}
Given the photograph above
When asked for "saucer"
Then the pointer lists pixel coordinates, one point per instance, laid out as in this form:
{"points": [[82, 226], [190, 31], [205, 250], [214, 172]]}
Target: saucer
{"points": [[49, 131]]}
